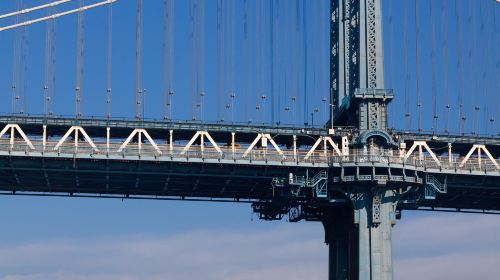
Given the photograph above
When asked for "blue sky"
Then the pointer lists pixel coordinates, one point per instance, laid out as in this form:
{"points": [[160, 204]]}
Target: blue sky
{"points": [[112, 239]]}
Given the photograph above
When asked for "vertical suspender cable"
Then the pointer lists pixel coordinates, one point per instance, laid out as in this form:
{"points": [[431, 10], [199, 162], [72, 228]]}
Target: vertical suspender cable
{"points": [[247, 60], [193, 60], [138, 63], [459, 63], [16, 60], [110, 60], [472, 20], [226, 55], [324, 58], [168, 67], [484, 67], [201, 58], [257, 58], [265, 51], [390, 75], [444, 22], [272, 54], [49, 75], [296, 64], [497, 63], [315, 40], [304, 40], [19, 70], [473, 62], [220, 61], [293, 60], [168, 48], [232, 47], [79, 63], [433, 62], [417, 70], [278, 30], [24, 71], [263, 70], [197, 58], [491, 72], [20, 67], [286, 64], [407, 70]]}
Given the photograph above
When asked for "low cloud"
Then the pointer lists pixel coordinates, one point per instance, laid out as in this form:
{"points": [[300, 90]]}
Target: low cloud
{"points": [[447, 246], [437, 246], [285, 252]]}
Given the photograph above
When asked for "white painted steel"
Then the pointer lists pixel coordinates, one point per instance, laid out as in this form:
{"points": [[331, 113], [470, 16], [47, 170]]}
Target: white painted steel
{"points": [[139, 132], [13, 128], [29, 10], [54, 16], [75, 130]]}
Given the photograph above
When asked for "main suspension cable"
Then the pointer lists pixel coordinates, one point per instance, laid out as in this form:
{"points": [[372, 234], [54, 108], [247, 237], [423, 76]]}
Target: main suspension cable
{"points": [[21, 11]]}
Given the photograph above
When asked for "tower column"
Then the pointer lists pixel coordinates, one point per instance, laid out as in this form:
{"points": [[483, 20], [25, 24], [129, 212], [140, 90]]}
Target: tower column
{"points": [[375, 216], [341, 238], [359, 236]]}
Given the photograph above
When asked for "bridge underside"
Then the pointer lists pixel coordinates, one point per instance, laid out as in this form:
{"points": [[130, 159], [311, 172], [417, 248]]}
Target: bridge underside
{"points": [[123, 178], [126, 178]]}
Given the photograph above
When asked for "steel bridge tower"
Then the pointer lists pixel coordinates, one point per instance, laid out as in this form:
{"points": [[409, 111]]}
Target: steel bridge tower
{"points": [[360, 236], [362, 173]]}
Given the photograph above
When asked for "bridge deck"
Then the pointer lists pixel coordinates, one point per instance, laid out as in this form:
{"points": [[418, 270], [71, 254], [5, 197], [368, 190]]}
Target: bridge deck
{"points": [[230, 171]]}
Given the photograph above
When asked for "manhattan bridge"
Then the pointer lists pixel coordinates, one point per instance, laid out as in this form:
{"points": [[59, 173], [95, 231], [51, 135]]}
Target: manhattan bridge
{"points": [[282, 104]]}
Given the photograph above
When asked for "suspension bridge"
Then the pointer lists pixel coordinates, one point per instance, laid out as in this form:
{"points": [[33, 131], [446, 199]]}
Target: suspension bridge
{"points": [[281, 104]]}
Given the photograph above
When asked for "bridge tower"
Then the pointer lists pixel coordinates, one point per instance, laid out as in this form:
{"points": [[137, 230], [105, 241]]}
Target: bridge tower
{"points": [[359, 233], [357, 93]]}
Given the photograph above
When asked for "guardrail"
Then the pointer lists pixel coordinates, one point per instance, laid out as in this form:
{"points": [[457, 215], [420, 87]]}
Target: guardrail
{"points": [[358, 157]]}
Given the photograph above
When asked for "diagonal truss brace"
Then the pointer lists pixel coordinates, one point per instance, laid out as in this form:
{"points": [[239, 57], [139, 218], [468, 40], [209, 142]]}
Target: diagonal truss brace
{"points": [[201, 135], [139, 132], [326, 140], [421, 145], [76, 130], [479, 148], [263, 137], [13, 128]]}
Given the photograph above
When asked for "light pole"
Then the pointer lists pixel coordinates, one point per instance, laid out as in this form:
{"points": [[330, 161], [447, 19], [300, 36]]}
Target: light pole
{"points": [[324, 109], [315, 111], [331, 115], [202, 115], [263, 97], [233, 95]]}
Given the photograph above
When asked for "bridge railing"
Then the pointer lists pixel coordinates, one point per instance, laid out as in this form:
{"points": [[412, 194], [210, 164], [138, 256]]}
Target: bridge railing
{"points": [[134, 150]]}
